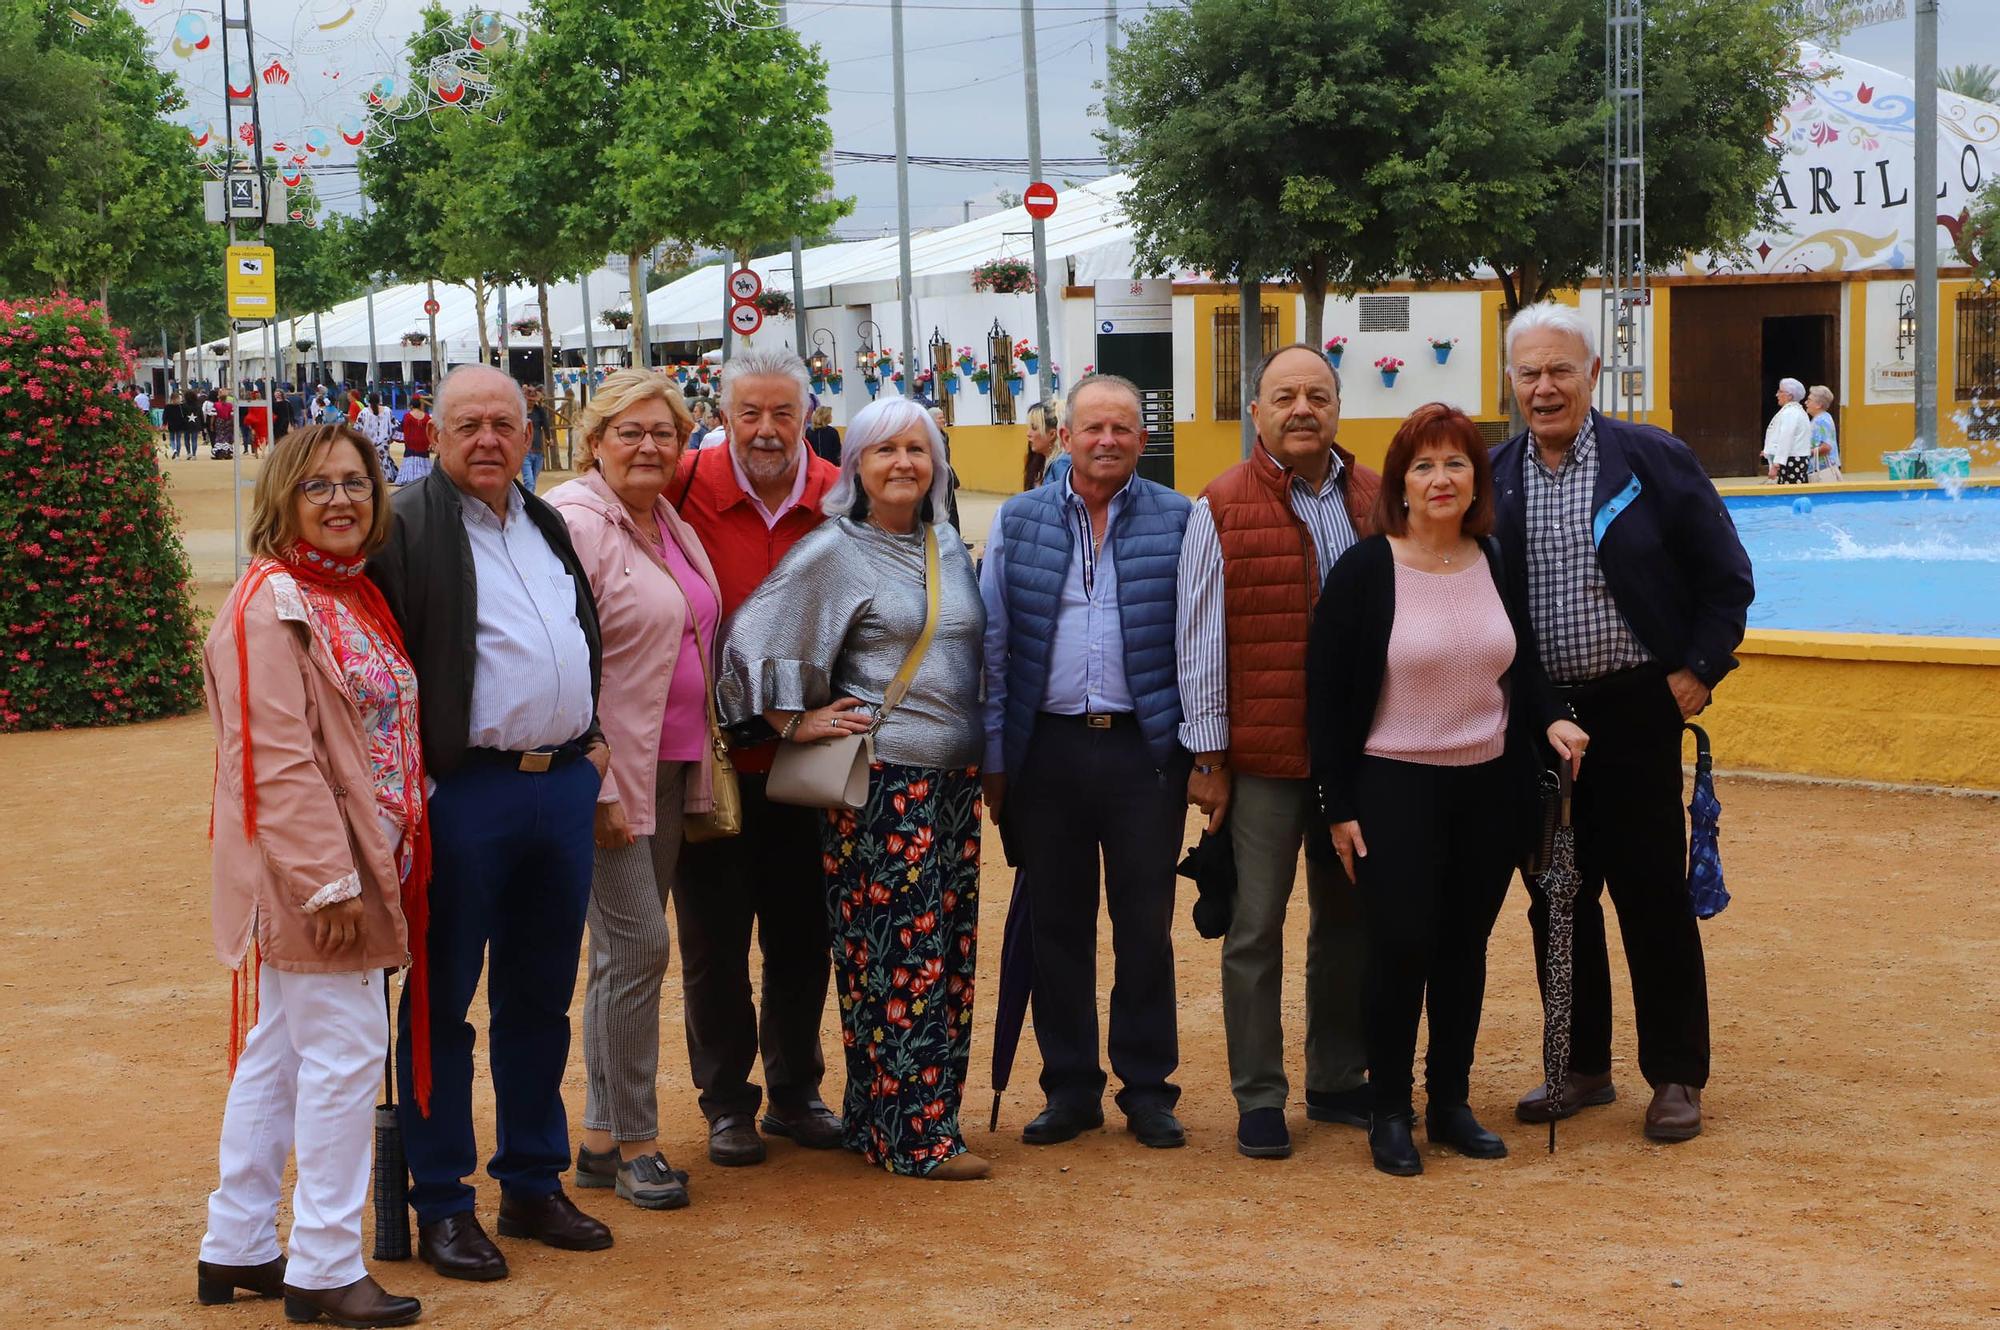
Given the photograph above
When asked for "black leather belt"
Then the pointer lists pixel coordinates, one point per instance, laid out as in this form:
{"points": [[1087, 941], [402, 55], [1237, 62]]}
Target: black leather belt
{"points": [[533, 760], [1093, 720]]}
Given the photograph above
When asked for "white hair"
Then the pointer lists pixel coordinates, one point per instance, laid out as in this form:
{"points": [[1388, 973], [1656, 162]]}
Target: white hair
{"points": [[875, 423], [1550, 316], [1794, 387], [777, 363]]}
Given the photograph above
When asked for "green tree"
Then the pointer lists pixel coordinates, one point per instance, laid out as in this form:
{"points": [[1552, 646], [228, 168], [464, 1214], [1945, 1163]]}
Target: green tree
{"points": [[1980, 82], [1978, 239]]}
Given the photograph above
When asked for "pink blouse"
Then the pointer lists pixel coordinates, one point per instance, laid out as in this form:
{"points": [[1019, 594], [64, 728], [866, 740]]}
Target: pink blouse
{"points": [[684, 729], [1442, 703]]}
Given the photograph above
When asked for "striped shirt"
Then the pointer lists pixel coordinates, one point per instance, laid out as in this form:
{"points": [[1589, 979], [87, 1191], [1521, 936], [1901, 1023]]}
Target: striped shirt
{"points": [[1577, 624], [531, 662], [1200, 628]]}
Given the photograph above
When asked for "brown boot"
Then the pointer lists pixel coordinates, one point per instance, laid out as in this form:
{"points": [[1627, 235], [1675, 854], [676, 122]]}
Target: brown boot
{"points": [[964, 1166], [215, 1284], [362, 1303], [1585, 1091], [1674, 1114]]}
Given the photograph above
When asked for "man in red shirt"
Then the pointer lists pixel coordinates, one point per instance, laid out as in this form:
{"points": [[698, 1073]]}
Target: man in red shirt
{"points": [[750, 502]]}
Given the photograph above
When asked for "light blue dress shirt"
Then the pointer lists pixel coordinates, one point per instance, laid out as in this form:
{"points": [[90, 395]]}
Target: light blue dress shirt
{"points": [[1087, 659]]}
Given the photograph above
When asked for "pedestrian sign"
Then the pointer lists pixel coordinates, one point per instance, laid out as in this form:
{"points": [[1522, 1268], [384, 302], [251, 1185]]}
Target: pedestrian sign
{"points": [[251, 280]]}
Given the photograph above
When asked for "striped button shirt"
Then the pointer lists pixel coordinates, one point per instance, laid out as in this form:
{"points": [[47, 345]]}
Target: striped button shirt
{"points": [[1581, 633], [1201, 632], [531, 661]]}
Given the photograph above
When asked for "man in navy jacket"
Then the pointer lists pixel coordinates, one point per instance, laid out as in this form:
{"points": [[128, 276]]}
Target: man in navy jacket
{"points": [[1638, 587]]}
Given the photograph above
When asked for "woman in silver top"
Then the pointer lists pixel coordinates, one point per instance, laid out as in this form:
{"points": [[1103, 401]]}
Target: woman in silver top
{"points": [[813, 650]]}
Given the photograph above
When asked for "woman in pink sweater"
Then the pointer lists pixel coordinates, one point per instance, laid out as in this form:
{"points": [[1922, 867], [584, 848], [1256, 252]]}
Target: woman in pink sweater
{"points": [[1428, 712]]}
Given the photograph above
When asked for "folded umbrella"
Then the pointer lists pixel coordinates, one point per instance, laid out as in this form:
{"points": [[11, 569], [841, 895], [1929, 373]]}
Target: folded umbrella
{"points": [[1017, 978], [1211, 864], [1707, 896], [392, 1171], [1559, 883]]}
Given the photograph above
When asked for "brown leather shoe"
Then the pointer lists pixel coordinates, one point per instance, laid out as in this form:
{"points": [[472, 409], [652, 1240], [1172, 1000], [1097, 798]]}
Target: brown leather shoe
{"points": [[1674, 1114], [552, 1220], [733, 1141], [362, 1303], [458, 1248], [214, 1284], [1585, 1091]]}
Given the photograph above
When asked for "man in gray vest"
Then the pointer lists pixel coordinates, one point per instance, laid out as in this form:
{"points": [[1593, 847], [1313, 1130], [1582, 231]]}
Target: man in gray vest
{"points": [[1082, 709]]}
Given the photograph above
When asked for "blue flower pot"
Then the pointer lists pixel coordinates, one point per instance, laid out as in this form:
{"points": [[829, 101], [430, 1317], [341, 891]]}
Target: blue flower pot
{"points": [[1389, 378], [1017, 385], [1032, 364], [1333, 356], [965, 365], [951, 385], [1443, 353], [985, 387], [874, 387], [834, 386]]}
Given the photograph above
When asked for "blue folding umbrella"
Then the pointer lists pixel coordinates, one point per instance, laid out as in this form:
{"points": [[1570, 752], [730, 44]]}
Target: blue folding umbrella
{"points": [[1706, 894], [1017, 981]]}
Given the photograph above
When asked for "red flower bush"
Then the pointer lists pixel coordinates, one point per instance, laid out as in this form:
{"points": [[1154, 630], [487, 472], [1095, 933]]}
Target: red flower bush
{"points": [[94, 582]]}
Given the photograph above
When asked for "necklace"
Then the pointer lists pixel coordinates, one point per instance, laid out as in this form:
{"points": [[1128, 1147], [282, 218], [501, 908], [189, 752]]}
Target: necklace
{"points": [[1444, 559]]}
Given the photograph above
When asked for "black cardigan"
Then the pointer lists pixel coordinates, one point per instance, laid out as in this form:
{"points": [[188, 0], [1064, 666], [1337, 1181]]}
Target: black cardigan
{"points": [[426, 575], [1348, 653]]}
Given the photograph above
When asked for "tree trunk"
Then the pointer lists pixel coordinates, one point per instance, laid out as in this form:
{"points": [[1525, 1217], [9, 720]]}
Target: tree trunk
{"points": [[478, 288], [1312, 285], [635, 271], [548, 367]]}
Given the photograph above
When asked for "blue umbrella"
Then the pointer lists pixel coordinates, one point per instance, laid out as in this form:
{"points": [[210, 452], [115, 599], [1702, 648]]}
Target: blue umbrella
{"points": [[1017, 978], [1706, 894]]}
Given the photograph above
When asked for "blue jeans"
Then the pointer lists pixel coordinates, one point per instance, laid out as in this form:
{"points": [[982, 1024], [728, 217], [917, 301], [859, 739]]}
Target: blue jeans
{"points": [[531, 468], [511, 856]]}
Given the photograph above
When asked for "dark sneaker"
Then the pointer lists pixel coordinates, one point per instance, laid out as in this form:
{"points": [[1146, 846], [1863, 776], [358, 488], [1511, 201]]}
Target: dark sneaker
{"points": [[1261, 1134], [651, 1183]]}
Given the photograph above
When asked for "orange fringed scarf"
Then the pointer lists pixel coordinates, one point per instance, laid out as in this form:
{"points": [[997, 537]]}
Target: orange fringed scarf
{"points": [[343, 579]]}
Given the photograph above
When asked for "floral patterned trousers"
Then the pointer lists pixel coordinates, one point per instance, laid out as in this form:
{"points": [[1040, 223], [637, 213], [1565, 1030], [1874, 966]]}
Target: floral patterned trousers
{"points": [[902, 882]]}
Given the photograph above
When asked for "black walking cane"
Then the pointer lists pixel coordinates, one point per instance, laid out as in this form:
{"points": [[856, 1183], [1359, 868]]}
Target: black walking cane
{"points": [[1560, 884], [392, 1171]]}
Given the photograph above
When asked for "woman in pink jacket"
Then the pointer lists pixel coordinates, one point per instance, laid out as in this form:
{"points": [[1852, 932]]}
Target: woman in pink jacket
{"points": [[321, 854], [659, 608]]}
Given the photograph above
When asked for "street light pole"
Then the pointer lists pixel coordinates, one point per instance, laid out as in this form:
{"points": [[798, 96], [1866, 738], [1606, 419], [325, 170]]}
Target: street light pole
{"points": [[1046, 370], [903, 192], [1926, 224]]}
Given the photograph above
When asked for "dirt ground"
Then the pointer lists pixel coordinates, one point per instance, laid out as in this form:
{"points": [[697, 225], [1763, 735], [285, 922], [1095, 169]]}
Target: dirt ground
{"points": [[1847, 1178]]}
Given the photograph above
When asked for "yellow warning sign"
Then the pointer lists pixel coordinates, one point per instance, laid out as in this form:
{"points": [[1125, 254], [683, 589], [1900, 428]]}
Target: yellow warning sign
{"points": [[252, 282]]}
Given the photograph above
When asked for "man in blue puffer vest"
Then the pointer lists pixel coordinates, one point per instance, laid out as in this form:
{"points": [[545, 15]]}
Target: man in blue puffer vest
{"points": [[1082, 710]]}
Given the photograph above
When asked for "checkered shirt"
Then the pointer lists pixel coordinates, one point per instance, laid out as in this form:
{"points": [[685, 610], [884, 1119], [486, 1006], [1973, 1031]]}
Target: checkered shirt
{"points": [[1581, 633]]}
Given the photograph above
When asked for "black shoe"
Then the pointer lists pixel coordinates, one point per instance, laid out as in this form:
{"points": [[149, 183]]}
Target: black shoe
{"points": [[1453, 1126], [733, 1141], [215, 1284], [1156, 1128], [1054, 1125], [364, 1303], [1348, 1107], [1261, 1134], [813, 1125], [1389, 1142], [596, 1170], [552, 1220], [458, 1248]]}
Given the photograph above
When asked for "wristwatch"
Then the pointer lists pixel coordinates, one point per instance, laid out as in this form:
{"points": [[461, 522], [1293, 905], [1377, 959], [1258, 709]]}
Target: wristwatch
{"points": [[1209, 769]]}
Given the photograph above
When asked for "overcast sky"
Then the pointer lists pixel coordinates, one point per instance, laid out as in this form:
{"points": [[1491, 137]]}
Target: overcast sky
{"points": [[966, 94]]}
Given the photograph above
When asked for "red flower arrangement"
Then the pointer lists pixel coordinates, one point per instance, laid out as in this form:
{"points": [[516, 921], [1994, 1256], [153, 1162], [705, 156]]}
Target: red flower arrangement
{"points": [[94, 582]]}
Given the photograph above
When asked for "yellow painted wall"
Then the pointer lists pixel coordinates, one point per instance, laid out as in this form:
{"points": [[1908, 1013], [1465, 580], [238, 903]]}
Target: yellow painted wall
{"points": [[1868, 429], [1862, 706], [989, 457]]}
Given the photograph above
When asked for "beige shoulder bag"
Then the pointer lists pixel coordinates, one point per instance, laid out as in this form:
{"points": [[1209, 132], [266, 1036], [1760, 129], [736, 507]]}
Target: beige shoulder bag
{"points": [[724, 817], [833, 773]]}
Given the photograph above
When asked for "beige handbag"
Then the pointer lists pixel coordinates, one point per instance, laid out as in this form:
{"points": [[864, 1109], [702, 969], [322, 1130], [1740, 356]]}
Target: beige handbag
{"points": [[833, 773], [724, 817]]}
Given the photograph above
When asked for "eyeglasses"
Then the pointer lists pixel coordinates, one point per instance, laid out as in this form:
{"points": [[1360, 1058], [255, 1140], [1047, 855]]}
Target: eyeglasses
{"points": [[360, 489], [631, 435]]}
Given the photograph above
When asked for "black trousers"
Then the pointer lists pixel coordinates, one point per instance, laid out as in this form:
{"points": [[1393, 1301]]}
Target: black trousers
{"points": [[770, 874], [1440, 855], [1081, 791], [1631, 837]]}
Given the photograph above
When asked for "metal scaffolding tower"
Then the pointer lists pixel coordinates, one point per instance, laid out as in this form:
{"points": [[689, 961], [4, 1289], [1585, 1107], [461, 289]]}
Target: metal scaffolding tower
{"points": [[1627, 297]]}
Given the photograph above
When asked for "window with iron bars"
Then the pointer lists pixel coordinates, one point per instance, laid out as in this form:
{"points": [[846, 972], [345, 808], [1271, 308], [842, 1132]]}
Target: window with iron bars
{"points": [[1229, 357], [1977, 377]]}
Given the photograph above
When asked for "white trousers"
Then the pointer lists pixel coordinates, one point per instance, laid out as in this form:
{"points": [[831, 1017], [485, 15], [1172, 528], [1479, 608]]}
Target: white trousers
{"points": [[307, 1079]]}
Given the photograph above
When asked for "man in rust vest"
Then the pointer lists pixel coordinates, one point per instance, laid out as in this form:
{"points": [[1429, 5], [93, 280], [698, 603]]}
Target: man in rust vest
{"points": [[1258, 547]]}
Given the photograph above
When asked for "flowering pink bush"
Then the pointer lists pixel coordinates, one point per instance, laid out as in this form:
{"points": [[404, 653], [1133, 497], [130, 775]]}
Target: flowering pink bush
{"points": [[94, 583]]}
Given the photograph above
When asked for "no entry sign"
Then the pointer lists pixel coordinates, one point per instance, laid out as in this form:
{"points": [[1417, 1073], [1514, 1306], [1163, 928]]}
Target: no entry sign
{"points": [[431, 307], [745, 285], [1040, 200], [746, 319]]}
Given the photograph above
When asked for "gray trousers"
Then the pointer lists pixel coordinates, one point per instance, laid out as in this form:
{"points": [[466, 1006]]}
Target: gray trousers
{"points": [[629, 947], [1268, 823]]}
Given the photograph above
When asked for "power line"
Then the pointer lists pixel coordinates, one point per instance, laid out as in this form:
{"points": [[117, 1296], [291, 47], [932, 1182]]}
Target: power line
{"points": [[1054, 165]]}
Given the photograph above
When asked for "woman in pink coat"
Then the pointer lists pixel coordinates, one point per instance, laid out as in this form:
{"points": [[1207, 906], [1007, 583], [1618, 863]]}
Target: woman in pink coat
{"points": [[659, 608], [321, 857]]}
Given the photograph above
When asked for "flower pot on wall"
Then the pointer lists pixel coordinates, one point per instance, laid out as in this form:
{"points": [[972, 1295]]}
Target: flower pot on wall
{"points": [[1032, 364], [1389, 378], [1443, 353], [985, 387], [1333, 356]]}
